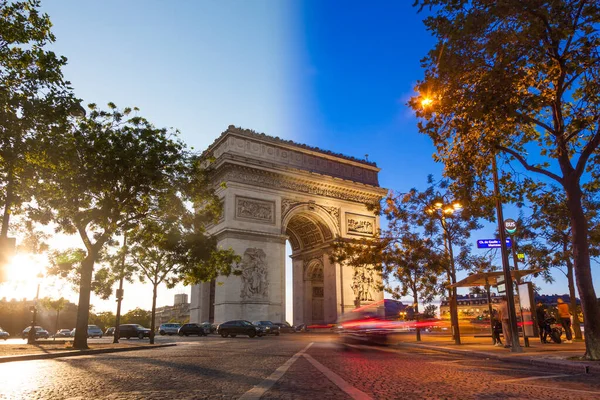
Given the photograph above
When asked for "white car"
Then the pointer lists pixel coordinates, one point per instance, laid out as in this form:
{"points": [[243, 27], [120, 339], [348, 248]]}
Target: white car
{"points": [[93, 331], [169, 329], [3, 334]]}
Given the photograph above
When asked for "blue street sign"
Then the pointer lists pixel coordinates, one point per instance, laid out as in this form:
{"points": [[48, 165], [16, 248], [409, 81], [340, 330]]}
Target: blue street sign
{"points": [[491, 243]]}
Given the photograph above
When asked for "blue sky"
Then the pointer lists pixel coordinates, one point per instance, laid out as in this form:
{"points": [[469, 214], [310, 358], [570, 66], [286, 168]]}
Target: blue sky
{"points": [[329, 74]]}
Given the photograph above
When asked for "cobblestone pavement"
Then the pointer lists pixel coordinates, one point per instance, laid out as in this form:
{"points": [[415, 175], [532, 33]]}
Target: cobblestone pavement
{"points": [[217, 368]]}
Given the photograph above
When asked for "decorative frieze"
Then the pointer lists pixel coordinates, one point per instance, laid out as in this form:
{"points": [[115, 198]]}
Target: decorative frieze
{"points": [[255, 210], [272, 180], [361, 225]]}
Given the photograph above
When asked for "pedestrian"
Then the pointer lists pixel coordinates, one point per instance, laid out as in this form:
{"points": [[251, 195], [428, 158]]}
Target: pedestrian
{"points": [[496, 329], [503, 314], [565, 319], [540, 313]]}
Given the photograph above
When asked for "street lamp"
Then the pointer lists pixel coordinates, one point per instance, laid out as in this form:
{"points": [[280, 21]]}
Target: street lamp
{"points": [[443, 209], [31, 336]]}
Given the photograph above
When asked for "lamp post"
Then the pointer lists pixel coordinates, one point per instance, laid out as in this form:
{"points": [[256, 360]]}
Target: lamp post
{"points": [[442, 209], [512, 315], [31, 336]]}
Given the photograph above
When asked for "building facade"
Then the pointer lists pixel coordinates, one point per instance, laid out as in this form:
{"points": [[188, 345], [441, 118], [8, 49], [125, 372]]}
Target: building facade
{"points": [[275, 191]]}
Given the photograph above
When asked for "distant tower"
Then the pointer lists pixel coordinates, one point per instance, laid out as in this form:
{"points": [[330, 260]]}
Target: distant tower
{"points": [[181, 298]]}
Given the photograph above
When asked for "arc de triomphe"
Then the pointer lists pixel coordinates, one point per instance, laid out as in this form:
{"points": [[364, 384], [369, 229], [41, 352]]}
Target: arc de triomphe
{"points": [[277, 190]]}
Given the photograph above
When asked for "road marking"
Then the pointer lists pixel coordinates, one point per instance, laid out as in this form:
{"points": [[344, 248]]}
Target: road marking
{"points": [[531, 378], [257, 391], [338, 381]]}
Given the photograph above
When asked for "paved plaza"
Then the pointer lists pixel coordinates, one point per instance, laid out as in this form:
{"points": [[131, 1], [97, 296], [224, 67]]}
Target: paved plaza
{"points": [[294, 366]]}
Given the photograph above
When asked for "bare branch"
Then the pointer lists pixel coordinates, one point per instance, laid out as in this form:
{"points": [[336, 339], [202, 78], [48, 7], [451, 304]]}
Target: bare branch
{"points": [[528, 166]]}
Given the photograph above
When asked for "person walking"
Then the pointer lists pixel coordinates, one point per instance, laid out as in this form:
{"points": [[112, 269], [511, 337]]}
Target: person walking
{"points": [[496, 329], [540, 314], [565, 319], [503, 314]]}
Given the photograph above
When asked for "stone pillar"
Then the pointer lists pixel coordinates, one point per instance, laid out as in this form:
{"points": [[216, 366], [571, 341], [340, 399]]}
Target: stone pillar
{"points": [[298, 290], [259, 294], [329, 290], [200, 303]]}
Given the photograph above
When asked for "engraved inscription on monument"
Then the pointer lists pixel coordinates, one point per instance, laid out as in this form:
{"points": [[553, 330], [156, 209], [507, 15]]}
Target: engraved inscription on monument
{"points": [[255, 210], [255, 284], [360, 224]]}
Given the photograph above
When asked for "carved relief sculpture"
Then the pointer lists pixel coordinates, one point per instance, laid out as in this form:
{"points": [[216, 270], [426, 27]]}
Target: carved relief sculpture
{"points": [[360, 224], [255, 209], [255, 284]]}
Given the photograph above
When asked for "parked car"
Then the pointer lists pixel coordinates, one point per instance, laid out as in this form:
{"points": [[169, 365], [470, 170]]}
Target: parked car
{"points": [[301, 328], [239, 327], [94, 331], [110, 331], [209, 327], [63, 333], [3, 334], [133, 330], [193, 329], [268, 327], [169, 329], [39, 333], [284, 327]]}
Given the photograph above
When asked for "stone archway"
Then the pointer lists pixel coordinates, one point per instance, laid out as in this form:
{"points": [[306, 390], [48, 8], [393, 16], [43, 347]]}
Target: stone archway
{"points": [[274, 191]]}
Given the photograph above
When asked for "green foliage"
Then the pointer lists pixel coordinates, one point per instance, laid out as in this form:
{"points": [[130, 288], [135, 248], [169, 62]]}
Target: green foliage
{"points": [[519, 79], [34, 98], [430, 311], [137, 316], [103, 320]]}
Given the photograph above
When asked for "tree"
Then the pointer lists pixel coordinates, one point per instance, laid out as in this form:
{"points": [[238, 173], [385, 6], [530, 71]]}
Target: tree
{"points": [[433, 211], [519, 79], [34, 98], [430, 311], [137, 316], [365, 257], [412, 261], [548, 235], [56, 305], [102, 175]]}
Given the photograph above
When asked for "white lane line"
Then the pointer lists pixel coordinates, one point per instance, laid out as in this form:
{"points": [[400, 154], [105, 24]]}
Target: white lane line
{"points": [[338, 381], [257, 391], [532, 378]]}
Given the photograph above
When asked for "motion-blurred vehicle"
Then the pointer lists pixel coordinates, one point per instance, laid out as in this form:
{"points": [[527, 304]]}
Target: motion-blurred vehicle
{"points": [[268, 327], [3, 334], [94, 331], [192, 329], [301, 328], [169, 329], [128, 331], [239, 327], [284, 327], [63, 333], [110, 331], [372, 323], [209, 327], [39, 333]]}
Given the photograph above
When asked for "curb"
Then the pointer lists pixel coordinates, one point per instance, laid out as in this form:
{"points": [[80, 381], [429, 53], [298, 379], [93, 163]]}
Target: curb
{"points": [[76, 353], [563, 365]]}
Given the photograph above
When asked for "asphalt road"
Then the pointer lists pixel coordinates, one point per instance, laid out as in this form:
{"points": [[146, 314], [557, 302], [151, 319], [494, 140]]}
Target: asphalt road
{"points": [[296, 366]]}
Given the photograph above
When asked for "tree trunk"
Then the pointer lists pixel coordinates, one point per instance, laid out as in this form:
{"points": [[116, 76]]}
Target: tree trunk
{"points": [[7, 203], [416, 315], [573, 300], [581, 257], [56, 323], [83, 309], [153, 323]]}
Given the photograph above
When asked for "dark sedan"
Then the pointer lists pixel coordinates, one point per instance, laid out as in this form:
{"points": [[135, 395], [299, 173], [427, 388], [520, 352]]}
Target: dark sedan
{"points": [[239, 327], [268, 327], [284, 327], [192, 329], [133, 330]]}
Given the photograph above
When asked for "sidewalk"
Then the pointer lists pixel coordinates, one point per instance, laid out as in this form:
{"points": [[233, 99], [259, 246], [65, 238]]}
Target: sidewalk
{"points": [[44, 349], [565, 357]]}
